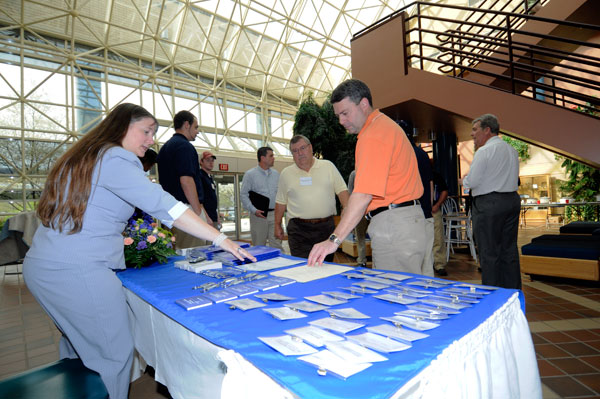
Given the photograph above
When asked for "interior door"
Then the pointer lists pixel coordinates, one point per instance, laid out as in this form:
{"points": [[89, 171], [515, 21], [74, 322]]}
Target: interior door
{"points": [[234, 218]]}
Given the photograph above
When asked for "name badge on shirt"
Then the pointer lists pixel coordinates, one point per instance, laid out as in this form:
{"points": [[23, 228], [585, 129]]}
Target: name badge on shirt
{"points": [[306, 181]]}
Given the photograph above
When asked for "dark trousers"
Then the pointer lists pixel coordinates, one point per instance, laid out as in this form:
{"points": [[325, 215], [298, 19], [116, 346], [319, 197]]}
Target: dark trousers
{"points": [[303, 235], [496, 226]]}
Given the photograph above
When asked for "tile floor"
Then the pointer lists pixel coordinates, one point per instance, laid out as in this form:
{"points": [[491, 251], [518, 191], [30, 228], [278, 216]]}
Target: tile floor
{"points": [[563, 315]]}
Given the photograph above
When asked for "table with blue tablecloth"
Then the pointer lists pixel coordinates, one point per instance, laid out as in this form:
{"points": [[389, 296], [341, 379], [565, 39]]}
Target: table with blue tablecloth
{"points": [[212, 352]]}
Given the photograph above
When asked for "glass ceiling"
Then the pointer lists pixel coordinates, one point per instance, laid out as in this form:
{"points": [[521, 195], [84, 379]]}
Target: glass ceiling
{"points": [[283, 48]]}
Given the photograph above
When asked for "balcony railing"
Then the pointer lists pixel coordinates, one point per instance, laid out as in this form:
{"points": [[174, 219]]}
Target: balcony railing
{"points": [[499, 48]]}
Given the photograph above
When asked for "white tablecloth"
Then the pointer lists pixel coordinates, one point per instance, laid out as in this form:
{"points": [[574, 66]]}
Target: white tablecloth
{"points": [[495, 360]]}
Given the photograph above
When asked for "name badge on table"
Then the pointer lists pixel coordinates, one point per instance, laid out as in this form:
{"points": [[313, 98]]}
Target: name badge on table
{"points": [[306, 181]]}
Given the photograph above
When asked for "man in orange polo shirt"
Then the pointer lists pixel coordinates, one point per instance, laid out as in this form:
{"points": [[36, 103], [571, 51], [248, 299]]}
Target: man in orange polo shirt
{"points": [[387, 185]]}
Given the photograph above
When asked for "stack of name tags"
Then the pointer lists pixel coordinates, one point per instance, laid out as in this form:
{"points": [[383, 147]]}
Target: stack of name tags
{"points": [[575, 253], [235, 281]]}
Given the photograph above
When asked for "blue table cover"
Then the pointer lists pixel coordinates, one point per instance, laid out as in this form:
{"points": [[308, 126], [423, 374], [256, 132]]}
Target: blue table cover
{"points": [[162, 285]]}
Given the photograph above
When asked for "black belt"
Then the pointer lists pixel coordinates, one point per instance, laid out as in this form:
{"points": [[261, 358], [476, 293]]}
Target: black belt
{"points": [[377, 211], [314, 221], [271, 209]]}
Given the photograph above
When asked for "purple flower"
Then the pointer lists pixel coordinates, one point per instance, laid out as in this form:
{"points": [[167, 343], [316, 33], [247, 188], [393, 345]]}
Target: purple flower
{"points": [[141, 245]]}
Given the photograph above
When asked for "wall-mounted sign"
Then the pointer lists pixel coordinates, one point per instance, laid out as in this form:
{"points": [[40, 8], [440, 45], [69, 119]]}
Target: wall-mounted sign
{"points": [[224, 167]]}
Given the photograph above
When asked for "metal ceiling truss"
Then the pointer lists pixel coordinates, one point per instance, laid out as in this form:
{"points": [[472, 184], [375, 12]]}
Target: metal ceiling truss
{"points": [[259, 57]]}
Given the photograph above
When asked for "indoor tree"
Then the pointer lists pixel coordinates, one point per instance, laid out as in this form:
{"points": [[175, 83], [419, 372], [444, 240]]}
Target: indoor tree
{"points": [[329, 139]]}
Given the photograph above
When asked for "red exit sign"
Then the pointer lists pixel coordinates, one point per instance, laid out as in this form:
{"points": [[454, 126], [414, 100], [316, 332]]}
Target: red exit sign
{"points": [[224, 167]]}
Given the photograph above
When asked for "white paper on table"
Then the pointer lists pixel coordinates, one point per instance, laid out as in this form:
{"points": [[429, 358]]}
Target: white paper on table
{"points": [[306, 306], [397, 333], [420, 325], [288, 345], [465, 292], [348, 313], [426, 284], [411, 291], [477, 286], [379, 343], [354, 353], [397, 298], [269, 264], [361, 290], [369, 271], [381, 280], [432, 309], [303, 274], [245, 304], [327, 360], [314, 335], [325, 300], [422, 315], [403, 295], [273, 296], [284, 313], [340, 326], [445, 304], [436, 281], [395, 276], [354, 275], [341, 295], [454, 298], [371, 285]]}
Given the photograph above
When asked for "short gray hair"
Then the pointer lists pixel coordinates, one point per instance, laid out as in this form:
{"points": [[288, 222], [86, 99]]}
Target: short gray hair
{"points": [[488, 120], [297, 138]]}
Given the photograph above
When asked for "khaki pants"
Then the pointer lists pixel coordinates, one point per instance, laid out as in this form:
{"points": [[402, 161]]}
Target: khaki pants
{"points": [[263, 230], [439, 242], [427, 265], [398, 239], [185, 240]]}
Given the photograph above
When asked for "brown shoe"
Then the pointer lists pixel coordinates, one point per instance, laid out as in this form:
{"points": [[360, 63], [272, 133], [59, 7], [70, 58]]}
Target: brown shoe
{"points": [[441, 272]]}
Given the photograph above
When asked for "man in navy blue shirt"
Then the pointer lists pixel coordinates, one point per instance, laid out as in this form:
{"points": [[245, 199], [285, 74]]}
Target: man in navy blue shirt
{"points": [[179, 172], [207, 163], [426, 173]]}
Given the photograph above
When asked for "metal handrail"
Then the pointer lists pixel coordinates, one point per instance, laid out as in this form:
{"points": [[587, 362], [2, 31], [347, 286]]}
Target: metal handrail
{"points": [[520, 21], [542, 71]]}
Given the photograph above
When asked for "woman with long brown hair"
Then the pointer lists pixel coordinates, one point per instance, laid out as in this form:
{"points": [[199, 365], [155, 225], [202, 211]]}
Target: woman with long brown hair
{"points": [[70, 268]]}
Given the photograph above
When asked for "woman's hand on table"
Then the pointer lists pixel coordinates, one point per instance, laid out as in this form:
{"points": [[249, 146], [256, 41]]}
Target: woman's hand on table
{"points": [[236, 250]]}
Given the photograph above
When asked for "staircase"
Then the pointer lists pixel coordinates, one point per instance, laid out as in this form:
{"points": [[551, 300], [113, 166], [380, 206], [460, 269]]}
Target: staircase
{"points": [[537, 68]]}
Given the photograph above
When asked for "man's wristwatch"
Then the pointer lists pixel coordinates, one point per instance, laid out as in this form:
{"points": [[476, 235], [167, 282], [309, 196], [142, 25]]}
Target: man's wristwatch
{"points": [[333, 238]]}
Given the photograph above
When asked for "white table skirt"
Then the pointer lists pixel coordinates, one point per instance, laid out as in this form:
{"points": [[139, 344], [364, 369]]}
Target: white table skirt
{"points": [[495, 360]]}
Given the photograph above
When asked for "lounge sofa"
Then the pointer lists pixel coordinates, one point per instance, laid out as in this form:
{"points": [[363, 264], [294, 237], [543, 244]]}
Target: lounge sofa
{"points": [[581, 228], [564, 255]]}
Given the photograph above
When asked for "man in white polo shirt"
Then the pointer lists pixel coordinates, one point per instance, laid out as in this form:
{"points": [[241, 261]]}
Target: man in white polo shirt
{"points": [[307, 192], [493, 180]]}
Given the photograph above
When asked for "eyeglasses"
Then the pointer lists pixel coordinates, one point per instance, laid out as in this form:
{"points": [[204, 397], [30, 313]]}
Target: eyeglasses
{"points": [[300, 149]]}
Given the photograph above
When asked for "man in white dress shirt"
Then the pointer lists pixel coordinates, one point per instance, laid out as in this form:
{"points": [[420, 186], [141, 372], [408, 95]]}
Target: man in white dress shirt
{"points": [[493, 181], [263, 180]]}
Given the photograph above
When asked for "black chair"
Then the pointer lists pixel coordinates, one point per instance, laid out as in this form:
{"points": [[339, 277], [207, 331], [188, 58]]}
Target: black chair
{"points": [[65, 379]]}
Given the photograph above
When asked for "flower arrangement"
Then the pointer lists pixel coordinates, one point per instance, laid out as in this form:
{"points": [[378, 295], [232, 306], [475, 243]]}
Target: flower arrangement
{"points": [[145, 242]]}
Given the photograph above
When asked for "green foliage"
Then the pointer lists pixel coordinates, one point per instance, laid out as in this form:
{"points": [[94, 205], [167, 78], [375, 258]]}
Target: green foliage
{"points": [[582, 184], [328, 137], [583, 181], [589, 109], [521, 147]]}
